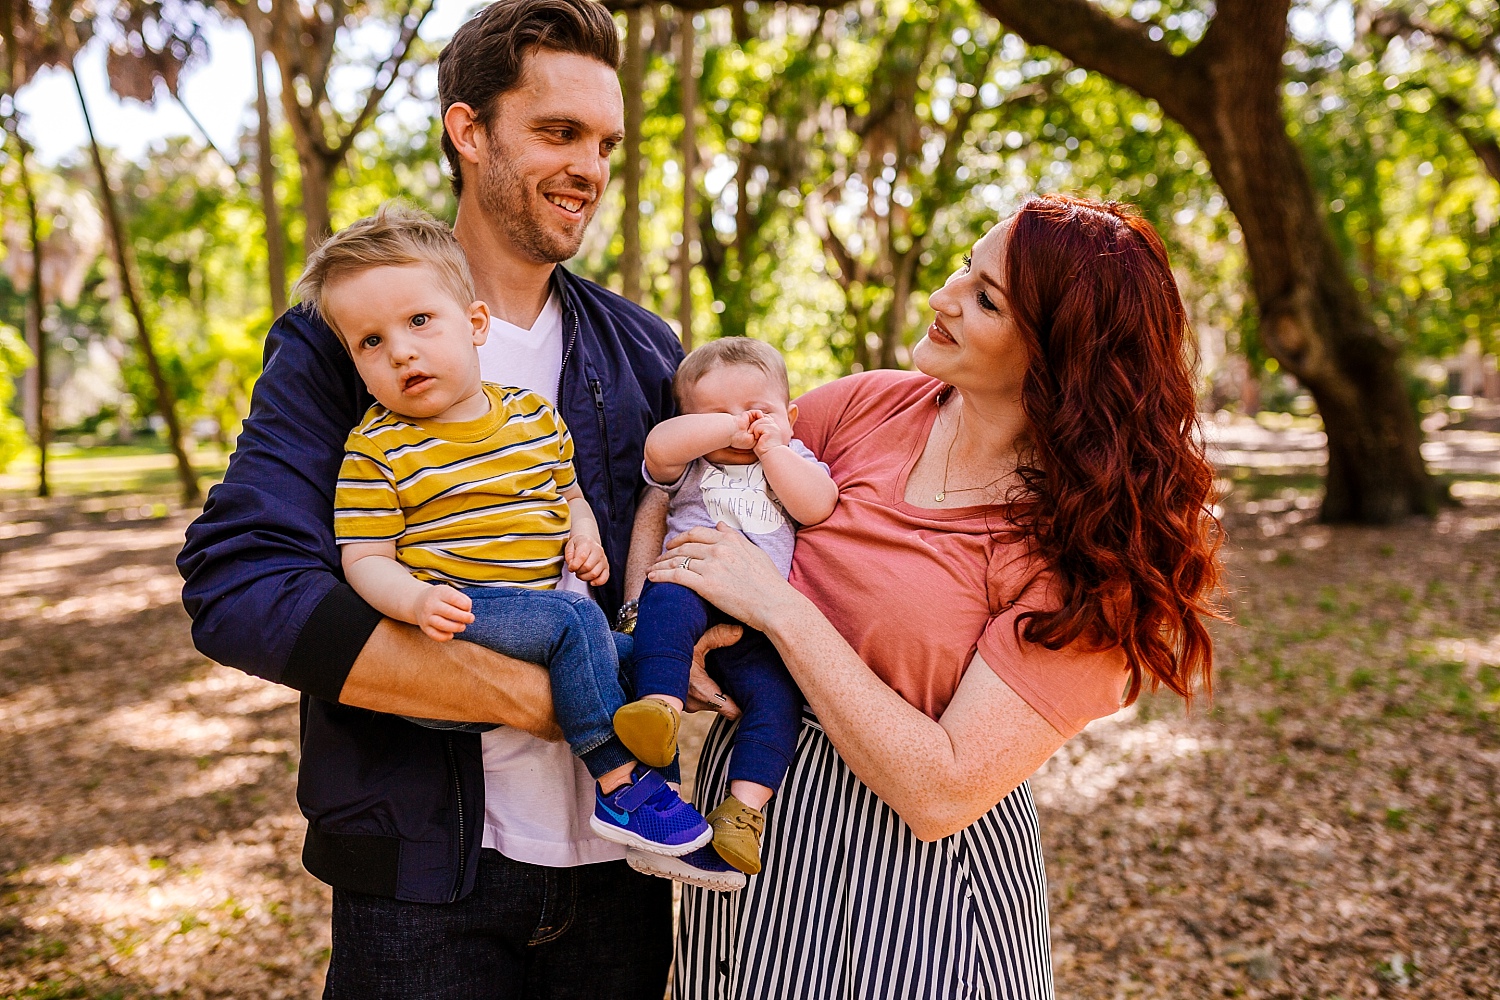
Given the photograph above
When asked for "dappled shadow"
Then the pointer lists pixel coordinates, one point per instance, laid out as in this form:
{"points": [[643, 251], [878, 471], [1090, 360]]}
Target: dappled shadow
{"points": [[229, 917], [1328, 825], [149, 837]]}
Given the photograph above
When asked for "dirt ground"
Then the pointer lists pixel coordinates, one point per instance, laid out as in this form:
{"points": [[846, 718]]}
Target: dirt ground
{"points": [[1326, 828]]}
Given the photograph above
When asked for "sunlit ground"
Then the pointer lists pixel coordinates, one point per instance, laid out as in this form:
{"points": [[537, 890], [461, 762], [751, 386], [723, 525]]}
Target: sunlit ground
{"points": [[104, 475], [1326, 828]]}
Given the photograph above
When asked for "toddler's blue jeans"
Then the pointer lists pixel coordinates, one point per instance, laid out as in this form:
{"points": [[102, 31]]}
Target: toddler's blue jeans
{"points": [[568, 634], [671, 621]]}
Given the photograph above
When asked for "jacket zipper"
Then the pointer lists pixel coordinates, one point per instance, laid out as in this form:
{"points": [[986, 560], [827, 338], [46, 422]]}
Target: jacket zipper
{"points": [[567, 353], [463, 849], [609, 472]]}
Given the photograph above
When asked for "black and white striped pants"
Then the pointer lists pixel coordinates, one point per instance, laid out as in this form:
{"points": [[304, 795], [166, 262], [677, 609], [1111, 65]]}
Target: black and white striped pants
{"points": [[851, 905]]}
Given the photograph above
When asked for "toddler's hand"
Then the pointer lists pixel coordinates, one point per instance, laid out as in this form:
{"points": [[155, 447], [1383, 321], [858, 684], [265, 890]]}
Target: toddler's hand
{"points": [[443, 612], [586, 558], [768, 435], [743, 438]]}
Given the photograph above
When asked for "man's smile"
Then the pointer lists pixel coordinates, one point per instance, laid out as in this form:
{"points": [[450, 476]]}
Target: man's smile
{"points": [[570, 203]]}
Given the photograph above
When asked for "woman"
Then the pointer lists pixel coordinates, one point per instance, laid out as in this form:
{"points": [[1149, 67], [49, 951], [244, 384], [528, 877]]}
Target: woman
{"points": [[1021, 544]]}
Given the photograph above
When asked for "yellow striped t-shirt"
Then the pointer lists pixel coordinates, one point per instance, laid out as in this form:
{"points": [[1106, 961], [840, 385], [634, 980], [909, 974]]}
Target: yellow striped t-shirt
{"points": [[470, 503]]}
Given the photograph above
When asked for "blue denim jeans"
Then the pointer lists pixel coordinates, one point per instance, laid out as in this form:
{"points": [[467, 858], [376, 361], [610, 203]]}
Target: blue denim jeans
{"points": [[568, 634], [672, 619], [526, 932]]}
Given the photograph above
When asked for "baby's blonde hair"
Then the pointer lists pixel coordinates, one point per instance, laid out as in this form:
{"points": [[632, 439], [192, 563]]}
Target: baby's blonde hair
{"points": [[729, 351], [395, 236]]}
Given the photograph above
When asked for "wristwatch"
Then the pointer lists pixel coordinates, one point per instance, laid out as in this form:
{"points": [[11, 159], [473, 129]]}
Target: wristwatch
{"points": [[625, 618]]}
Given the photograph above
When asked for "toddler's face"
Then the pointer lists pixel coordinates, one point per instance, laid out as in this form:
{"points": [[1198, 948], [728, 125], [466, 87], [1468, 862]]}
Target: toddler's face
{"points": [[413, 344], [736, 390]]}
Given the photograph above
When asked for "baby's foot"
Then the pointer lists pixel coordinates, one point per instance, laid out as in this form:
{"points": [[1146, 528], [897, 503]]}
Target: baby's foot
{"points": [[648, 728], [737, 829], [647, 814]]}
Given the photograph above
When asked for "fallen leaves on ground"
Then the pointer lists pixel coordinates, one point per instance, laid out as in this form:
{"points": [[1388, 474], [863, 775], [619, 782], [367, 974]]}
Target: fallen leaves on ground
{"points": [[1326, 828]]}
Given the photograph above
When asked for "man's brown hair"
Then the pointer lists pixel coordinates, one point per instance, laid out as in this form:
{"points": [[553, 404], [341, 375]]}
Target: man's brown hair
{"points": [[395, 236], [487, 53], [725, 352]]}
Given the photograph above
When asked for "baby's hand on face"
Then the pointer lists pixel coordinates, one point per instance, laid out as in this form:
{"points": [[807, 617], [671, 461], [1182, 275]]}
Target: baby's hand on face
{"points": [[586, 558], [768, 435], [743, 438], [443, 612]]}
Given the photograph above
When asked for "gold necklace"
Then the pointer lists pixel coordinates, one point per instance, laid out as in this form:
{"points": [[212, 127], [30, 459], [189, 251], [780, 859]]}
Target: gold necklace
{"points": [[948, 463]]}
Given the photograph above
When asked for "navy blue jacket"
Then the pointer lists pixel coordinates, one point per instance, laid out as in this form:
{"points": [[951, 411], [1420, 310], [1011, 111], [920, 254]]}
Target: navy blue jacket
{"points": [[393, 809]]}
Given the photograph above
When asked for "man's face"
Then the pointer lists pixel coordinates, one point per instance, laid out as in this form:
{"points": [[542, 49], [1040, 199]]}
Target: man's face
{"points": [[545, 162]]}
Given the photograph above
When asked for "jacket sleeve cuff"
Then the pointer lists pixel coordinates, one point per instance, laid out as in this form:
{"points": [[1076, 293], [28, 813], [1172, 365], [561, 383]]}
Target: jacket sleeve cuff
{"points": [[330, 642]]}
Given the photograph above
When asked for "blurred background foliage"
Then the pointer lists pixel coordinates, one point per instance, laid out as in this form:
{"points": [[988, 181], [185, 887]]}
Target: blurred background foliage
{"points": [[847, 157]]}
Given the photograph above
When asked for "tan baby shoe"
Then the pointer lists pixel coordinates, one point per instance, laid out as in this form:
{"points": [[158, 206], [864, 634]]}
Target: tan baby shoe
{"points": [[648, 728], [737, 830]]}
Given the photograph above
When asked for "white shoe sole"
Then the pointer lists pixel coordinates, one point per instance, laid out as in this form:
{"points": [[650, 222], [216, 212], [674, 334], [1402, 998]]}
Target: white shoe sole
{"points": [[680, 871], [631, 839]]}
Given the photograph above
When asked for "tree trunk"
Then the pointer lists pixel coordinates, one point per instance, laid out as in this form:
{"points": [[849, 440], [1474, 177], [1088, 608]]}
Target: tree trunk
{"points": [[165, 400], [688, 83], [304, 47], [1226, 92], [36, 333], [1482, 144], [266, 167], [893, 327], [1312, 319], [317, 189], [633, 81]]}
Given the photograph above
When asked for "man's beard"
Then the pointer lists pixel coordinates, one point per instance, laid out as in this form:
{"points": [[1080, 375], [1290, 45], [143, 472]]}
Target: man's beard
{"points": [[509, 203]]}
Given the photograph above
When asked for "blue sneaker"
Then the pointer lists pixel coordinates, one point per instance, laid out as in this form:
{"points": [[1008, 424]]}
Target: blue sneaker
{"points": [[649, 816], [702, 867]]}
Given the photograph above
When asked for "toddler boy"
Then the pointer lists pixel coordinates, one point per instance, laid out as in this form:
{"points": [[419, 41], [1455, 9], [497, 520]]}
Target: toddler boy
{"points": [[457, 505]]}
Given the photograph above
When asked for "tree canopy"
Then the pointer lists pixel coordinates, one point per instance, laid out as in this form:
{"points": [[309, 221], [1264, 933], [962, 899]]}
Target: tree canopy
{"points": [[845, 157]]}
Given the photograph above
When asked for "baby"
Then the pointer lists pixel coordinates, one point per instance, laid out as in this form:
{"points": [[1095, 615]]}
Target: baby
{"points": [[729, 458], [457, 505]]}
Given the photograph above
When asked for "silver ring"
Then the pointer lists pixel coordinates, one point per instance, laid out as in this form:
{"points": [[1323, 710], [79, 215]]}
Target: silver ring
{"points": [[685, 561]]}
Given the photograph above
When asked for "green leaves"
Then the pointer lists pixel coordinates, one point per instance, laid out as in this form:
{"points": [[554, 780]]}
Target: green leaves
{"points": [[14, 360], [1392, 126]]}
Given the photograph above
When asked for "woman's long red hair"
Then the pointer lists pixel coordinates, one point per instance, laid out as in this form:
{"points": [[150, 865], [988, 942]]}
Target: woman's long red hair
{"points": [[1116, 492]]}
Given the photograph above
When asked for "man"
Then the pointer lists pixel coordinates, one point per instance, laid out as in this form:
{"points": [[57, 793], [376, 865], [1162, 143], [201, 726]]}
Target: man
{"points": [[401, 817]]}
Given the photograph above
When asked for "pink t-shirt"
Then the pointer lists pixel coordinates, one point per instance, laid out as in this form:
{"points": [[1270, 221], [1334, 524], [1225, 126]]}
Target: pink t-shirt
{"points": [[916, 591]]}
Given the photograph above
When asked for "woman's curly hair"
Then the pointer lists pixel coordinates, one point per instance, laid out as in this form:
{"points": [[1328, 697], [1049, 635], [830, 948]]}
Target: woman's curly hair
{"points": [[1115, 494]]}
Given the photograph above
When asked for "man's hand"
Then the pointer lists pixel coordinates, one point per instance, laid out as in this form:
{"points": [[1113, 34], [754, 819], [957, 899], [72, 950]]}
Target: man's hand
{"points": [[442, 612], [402, 672], [586, 558], [703, 694]]}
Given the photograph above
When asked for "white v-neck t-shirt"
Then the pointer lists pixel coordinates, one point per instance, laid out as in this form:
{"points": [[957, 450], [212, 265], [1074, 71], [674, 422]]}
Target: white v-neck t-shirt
{"points": [[538, 797]]}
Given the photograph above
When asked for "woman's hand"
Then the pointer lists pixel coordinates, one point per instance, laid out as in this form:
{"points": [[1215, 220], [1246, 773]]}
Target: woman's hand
{"points": [[726, 569]]}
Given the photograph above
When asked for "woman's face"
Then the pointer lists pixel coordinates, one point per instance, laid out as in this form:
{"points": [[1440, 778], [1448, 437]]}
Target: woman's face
{"points": [[973, 343]]}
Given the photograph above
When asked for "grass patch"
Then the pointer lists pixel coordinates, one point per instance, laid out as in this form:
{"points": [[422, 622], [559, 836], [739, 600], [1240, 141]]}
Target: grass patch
{"points": [[110, 471]]}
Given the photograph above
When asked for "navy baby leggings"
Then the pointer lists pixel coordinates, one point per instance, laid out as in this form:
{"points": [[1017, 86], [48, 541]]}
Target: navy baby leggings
{"points": [[671, 621]]}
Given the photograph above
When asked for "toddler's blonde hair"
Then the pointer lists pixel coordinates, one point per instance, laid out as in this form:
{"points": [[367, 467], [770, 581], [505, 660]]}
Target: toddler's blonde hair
{"points": [[395, 236]]}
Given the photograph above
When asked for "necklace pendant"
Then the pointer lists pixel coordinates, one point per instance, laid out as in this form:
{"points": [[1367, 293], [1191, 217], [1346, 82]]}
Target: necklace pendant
{"points": [[938, 498]]}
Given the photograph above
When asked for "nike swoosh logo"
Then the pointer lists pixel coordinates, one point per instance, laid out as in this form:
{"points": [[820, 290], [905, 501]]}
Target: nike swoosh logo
{"points": [[621, 816]]}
